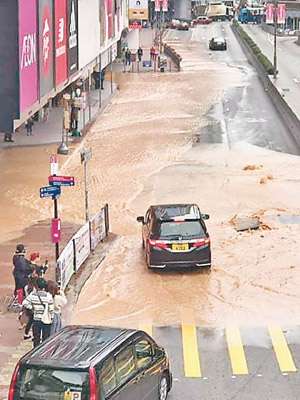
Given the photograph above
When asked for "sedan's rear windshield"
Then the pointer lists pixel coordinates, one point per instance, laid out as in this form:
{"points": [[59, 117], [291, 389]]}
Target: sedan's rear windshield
{"points": [[51, 384], [177, 230]]}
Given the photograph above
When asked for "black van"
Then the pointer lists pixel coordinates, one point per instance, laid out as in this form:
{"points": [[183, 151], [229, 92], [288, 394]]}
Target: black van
{"points": [[93, 363]]}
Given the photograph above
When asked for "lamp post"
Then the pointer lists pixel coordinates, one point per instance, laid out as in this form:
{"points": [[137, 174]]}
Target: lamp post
{"points": [[275, 39]]}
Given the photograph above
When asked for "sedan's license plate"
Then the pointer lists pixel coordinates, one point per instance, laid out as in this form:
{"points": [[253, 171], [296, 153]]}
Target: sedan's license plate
{"points": [[180, 246]]}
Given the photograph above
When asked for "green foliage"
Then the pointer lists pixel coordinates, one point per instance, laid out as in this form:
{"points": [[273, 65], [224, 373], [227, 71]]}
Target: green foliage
{"points": [[265, 62]]}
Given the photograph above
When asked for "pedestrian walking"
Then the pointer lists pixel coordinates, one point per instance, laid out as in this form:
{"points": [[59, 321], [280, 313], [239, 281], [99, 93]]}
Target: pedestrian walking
{"points": [[60, 301], [152, 53], [140, 53], [29, 125], [41, 303], [35, 260], [21, 270], [128, 56], [102, 74], [31, 287], [46, 113]]}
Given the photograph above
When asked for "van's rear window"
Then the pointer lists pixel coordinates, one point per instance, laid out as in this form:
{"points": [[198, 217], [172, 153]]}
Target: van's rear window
{"points": [[51, 384]]}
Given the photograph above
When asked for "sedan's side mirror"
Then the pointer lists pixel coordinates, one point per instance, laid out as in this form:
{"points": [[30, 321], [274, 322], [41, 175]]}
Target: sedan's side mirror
{"points": [[205, 216], [141, 219]]}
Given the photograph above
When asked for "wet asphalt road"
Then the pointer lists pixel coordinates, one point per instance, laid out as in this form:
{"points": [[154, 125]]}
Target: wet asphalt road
{"points": [[245, 113], [217, 382]]}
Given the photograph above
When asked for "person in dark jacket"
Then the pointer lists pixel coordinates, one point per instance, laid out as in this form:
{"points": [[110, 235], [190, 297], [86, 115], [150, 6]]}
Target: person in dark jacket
{"points": [[21, 268], [140, 53]]}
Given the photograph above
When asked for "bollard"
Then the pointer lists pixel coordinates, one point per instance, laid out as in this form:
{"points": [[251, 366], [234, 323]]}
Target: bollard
{"points": [[132, 67], [170, 66], [138, 66]]}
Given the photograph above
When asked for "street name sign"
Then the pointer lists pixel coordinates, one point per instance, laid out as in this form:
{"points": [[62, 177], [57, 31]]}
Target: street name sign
{"points": [[49, 191], [61, 180], [86, 155], [53, 165]]}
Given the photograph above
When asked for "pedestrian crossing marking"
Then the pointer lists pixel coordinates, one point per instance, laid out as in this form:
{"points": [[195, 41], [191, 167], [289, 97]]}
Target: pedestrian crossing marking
{"points": [[146, 328], [191, 359], [281, 349], [236, 351]]}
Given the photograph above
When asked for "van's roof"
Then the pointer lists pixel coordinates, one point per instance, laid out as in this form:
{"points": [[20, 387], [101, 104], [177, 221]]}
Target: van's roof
{"points": [[77, 347]]}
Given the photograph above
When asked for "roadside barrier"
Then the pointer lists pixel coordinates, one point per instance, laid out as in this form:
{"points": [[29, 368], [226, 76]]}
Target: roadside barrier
{"points": [[81, 244], [175, 57]]}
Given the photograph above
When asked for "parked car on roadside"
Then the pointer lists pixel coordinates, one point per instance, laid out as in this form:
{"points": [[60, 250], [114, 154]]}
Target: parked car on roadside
{"points": [[175, 236], [218, 43], [202, 20], [93, 363]]}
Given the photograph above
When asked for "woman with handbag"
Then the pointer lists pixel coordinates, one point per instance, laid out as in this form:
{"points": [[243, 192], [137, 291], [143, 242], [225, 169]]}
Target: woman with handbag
{"points": [[41, 303]]}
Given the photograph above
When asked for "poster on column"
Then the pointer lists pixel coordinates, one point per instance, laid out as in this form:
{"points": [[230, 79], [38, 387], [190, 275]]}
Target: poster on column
{"points": [[157, 5], [72, 36], [46, 46], [109, 8], [28, 57], [60, 42]]}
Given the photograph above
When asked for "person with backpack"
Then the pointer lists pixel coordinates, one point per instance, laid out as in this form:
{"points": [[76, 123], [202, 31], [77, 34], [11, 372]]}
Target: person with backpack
{"points": [[41, 303]]}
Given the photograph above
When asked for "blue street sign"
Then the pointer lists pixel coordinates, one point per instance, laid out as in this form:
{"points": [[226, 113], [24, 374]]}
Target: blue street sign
{"points": [[49, 191]]}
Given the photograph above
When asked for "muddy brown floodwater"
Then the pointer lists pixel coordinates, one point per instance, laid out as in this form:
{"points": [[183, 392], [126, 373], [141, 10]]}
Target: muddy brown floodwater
{"points": [[145, 156], [144, 153]]}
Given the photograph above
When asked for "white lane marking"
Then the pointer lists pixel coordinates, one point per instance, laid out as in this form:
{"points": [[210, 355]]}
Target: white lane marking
{"points": [[193, 34], [296, 80]]}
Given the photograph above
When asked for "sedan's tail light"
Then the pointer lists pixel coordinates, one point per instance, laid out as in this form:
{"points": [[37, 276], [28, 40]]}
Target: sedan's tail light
{"points": [[157, 243], [201, 242]]}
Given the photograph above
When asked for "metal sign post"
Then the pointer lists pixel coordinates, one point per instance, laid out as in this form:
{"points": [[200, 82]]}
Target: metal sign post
{"points": [[86, 155]]}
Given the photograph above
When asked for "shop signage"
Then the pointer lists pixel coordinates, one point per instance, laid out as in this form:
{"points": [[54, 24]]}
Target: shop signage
{"points": [[60, 23], [72, 36], [28, 53]]}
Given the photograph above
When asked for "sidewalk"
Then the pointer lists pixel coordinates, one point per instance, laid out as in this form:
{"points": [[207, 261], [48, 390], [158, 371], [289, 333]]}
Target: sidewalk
{"points": [[51, 131]]}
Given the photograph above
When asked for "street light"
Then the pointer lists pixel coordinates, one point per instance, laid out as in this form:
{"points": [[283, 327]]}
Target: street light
{"points": [[275, 39]]}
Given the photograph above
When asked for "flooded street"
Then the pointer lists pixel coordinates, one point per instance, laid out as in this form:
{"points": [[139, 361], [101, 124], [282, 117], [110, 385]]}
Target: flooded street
{"points": [[147, 149]]}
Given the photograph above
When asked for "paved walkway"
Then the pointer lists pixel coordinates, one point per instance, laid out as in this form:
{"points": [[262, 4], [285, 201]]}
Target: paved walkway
{"points": [[51, 131]]}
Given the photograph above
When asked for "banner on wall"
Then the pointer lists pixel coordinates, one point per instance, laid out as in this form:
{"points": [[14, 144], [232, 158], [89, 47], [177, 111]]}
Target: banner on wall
{"points": [[82, 245], [280, 13], [28, 53], [269, 13], [46, 46], [60, 42], [98, 228], [157, 5], [72, 29], [165, 5], [66, 264], [138, 9]]}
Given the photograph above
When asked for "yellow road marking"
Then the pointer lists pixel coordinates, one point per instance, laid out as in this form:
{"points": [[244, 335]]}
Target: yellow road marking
{"points": [[236, 351], [146, 328], [281, 348], [191, 362]]}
